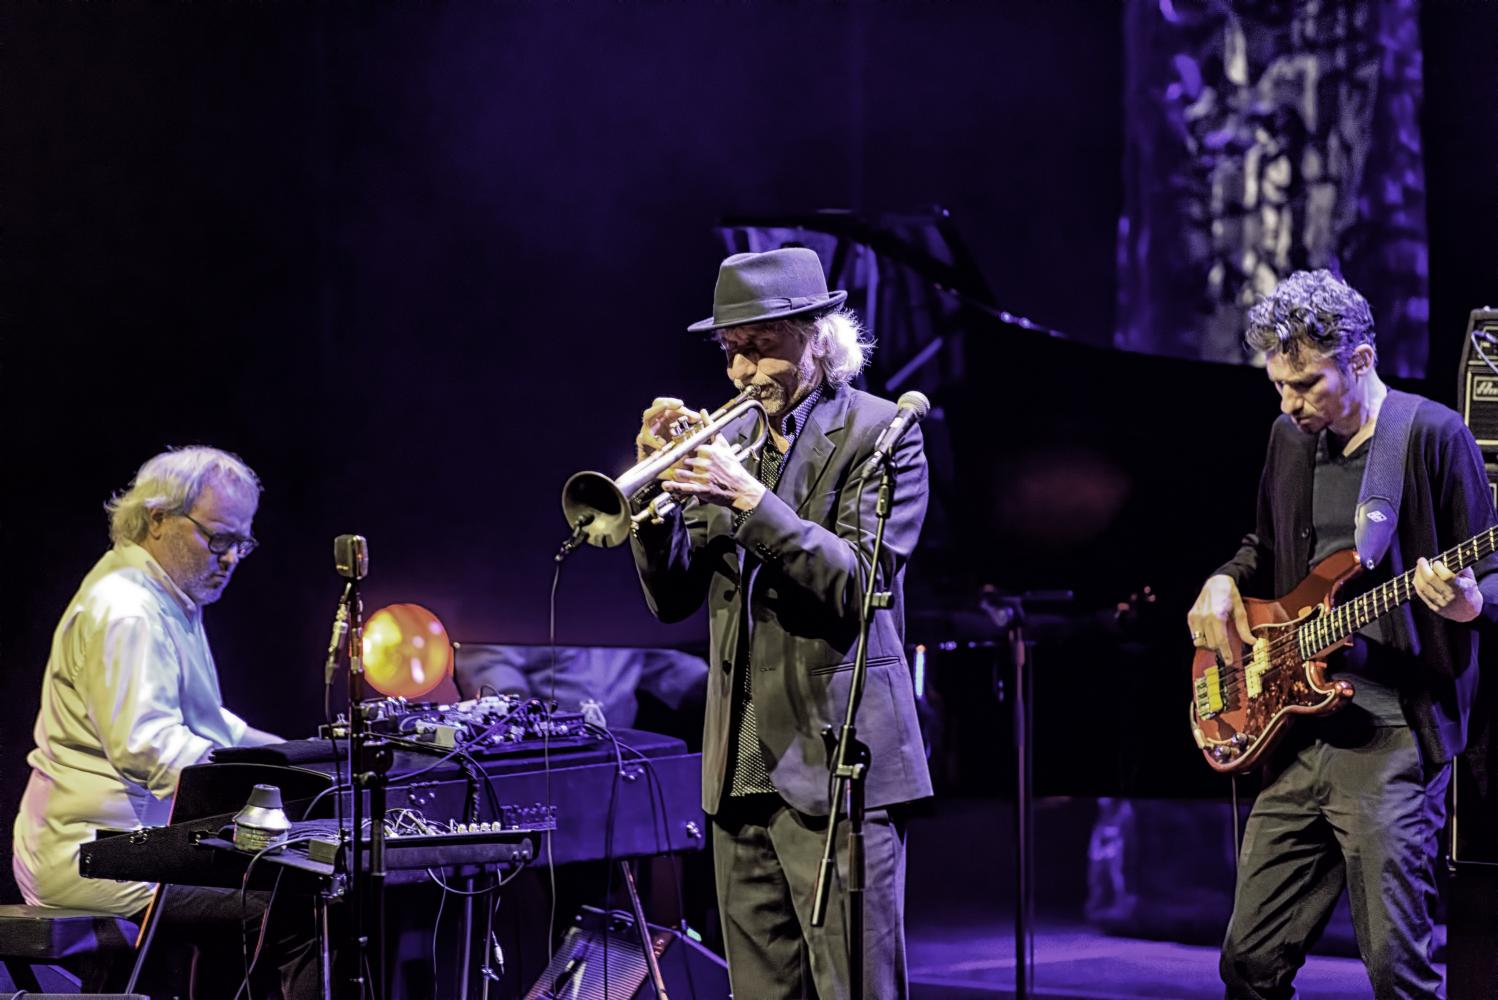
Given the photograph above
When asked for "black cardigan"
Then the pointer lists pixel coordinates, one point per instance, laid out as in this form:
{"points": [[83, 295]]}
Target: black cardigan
{"points": [[1446, 501]]}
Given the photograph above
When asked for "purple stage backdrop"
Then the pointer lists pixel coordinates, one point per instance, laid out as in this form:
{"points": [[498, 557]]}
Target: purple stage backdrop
{"points": [[1262, 138]]}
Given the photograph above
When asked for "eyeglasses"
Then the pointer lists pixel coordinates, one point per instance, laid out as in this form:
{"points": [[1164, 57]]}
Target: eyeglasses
{"points": [[220, 543]]}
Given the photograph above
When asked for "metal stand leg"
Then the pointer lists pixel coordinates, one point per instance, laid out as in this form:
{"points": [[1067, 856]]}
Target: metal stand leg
{"points": [[645, 941], [324, 958], [465, 955], [1024, 825], [855, 894]]}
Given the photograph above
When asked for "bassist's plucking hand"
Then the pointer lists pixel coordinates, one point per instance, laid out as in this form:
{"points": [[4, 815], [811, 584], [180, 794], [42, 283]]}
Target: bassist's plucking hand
{"points": [[1217, 604]]}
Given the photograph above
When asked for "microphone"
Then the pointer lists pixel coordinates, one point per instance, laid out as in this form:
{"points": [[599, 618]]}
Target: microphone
{"points": [[579, 535], [351, 556], [913, 406], [351, 559]]}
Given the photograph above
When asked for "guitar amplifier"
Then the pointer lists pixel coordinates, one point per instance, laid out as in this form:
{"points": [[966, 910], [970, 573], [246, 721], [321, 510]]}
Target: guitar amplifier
{"points": [[1477, 385], [1472, 892], [1474, 794], [1474, 805]]}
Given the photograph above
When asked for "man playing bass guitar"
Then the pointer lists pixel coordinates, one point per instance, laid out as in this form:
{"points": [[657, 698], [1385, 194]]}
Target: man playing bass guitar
{"points": [[1355, 798]]}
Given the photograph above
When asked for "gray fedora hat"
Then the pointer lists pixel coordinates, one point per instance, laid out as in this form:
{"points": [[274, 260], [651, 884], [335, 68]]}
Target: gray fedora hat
{"points": [[754, 287]]}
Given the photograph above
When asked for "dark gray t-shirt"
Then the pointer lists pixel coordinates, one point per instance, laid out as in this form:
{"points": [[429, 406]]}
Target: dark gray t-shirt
{"points": [[1371, 664]]}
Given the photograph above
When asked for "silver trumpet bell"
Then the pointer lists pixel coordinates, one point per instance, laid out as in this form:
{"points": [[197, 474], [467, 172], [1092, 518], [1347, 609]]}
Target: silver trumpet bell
{"points": [[605, 509]]}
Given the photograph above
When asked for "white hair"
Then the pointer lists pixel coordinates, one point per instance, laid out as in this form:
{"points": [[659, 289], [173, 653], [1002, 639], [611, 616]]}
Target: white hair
{"points": [[172, 481], [840, 346]]}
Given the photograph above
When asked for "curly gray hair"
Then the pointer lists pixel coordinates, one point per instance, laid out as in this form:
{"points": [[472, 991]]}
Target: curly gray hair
{"points": [[1311, 310], [172, 481]]}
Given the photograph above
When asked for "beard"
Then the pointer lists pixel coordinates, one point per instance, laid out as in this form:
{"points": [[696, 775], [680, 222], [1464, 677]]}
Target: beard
{"points": [[206, 585], [201, 577], [778, 398], [207, 590], [771, 395]]}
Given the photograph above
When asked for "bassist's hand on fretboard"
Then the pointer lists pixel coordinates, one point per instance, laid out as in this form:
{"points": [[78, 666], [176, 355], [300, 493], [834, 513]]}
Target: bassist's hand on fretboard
{"points": [[1451, 595]]}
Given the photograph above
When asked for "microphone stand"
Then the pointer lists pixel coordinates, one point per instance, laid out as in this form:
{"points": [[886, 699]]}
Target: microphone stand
{"points": [[368, 759], [849, 762], [1009, 614], [1021, 618]]}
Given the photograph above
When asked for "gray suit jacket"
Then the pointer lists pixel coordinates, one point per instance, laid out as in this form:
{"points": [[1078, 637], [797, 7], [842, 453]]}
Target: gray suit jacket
{"points": [[787, 586]]}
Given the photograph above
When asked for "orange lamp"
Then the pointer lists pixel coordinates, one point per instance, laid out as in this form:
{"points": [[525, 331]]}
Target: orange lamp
{"points": [[406, 651]]}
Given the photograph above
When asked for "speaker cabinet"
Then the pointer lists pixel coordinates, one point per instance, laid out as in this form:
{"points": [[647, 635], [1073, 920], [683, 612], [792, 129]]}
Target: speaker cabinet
{"points": [[1477, 383], [1474, 781], [1474, 774], [601, 941], [1472, 891]]}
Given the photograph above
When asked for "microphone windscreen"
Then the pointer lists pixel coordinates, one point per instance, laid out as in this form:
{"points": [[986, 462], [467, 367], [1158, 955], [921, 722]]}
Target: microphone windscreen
{"points": [[917, 402], [351, 556]]}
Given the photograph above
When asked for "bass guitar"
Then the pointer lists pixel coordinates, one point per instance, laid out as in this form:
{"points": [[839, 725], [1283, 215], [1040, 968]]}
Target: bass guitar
{"points": [[1242, 707]]}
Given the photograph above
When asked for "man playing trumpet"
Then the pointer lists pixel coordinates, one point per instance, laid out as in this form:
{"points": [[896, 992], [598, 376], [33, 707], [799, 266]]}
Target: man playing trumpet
{"points": [[779, 545]]}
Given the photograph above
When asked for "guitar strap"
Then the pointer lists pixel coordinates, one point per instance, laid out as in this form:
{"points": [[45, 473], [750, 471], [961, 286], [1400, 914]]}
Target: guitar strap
{"points": [[1383, 479]]}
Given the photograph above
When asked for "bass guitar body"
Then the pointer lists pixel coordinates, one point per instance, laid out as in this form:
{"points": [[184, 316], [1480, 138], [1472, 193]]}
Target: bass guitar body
{"points": [[1241, 708]]}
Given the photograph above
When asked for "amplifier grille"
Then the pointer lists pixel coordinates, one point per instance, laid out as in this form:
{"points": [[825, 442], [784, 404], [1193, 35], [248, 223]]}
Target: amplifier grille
{"points": [[1478, 386], [1480, 404]]}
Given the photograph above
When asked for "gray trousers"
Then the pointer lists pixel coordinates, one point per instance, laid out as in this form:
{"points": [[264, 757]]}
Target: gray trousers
{"points": [[765, 855], [1352, 807]]}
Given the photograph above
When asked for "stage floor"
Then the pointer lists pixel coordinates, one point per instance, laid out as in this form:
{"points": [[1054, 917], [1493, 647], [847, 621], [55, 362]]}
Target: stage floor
{"points": [[961, 959], [960, 912]]}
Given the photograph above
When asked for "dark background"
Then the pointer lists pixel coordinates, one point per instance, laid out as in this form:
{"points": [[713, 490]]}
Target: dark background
{"points": [[417, 263]]}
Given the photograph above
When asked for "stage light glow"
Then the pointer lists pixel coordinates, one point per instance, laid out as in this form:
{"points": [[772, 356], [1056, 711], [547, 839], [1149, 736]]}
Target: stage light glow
{"points": [[406, 651]]}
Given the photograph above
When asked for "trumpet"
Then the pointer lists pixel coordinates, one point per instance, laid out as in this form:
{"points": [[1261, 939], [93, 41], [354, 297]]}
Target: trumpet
{"points": [[605, 509]]}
